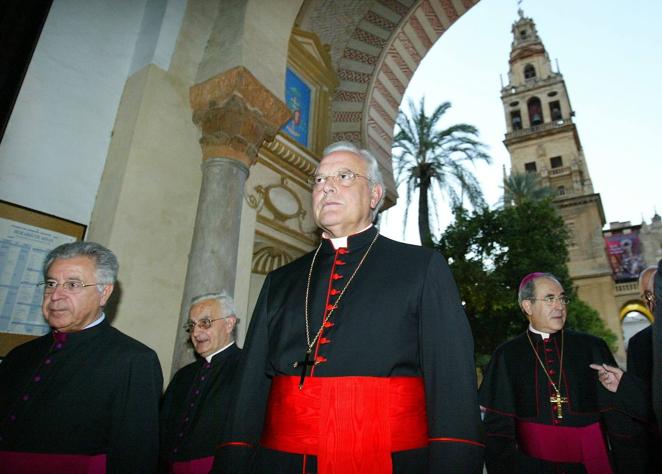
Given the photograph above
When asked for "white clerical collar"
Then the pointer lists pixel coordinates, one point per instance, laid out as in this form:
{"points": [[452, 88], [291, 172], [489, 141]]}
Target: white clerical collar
{"points": [[544, 335], [340, 242], [210, 357], [96, 322]]}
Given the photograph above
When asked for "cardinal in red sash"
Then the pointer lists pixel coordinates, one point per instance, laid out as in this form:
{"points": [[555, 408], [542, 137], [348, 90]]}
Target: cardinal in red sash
{"points": [[359, 357]]}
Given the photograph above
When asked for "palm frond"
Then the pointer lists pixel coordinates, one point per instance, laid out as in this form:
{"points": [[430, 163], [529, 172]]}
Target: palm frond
{"points": [[425, 153]]}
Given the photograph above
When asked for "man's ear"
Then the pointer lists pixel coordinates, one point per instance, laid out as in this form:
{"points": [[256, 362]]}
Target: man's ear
{"points": [[105, 294], [232, 322], [526, 308], [376, 195]]}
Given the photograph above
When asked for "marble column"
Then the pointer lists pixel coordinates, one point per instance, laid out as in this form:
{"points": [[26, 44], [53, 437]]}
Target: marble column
{"points": [[235, 114]]}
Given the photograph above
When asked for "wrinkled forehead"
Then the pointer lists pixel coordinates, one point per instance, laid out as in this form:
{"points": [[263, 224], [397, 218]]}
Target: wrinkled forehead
{"points": [[73, 265], [544, 286], [210, 308], [342, 160]]}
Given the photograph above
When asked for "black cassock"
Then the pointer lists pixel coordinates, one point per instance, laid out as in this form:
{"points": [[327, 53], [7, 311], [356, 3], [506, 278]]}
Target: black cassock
{"points": [[195, 406], [401, 316], [657, 348], [640, 366], [95, 393], [515, 392]]}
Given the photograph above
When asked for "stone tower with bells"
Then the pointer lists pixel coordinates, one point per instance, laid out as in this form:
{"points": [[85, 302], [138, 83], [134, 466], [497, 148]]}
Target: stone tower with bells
{"points": [[542, 138]]}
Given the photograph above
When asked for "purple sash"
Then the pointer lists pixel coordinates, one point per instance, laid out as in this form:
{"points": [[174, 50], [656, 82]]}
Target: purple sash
{"points": [[584, 445], [38, 463]]}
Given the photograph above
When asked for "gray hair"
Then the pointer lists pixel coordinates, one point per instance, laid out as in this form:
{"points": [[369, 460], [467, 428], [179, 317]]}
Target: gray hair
{"points": [[374, 174], [105, 261], [225, 302], [528, 290]]}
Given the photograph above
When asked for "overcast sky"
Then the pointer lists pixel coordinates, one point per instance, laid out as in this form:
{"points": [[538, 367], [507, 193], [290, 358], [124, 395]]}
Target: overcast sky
{"points": [[609, 54]]}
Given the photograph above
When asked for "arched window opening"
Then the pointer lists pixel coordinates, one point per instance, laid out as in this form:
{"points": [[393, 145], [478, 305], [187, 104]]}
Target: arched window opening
{"points": [[535, 111], [529, 71], [516, 120], [555, 110]]}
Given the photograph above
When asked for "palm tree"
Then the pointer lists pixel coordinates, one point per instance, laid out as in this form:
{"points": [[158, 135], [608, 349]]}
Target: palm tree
{"points": [[433, 161], [521, 187]]}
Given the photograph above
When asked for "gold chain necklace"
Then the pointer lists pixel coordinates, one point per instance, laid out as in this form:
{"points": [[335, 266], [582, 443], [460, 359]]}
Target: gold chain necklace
{"points": [[310, 344], [557, 398]]}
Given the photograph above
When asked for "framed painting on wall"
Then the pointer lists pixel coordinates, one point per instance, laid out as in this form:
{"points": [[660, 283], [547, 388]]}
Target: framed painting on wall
{"points": [[298, 97]]}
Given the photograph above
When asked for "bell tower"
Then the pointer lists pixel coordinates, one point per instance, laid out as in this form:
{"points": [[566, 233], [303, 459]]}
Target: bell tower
{"points": [[542, 138]]}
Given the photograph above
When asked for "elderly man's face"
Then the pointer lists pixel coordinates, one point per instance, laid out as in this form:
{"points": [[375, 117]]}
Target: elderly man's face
{"points": [[218, 335], [68, 311], [344, 210], [546, 316]]}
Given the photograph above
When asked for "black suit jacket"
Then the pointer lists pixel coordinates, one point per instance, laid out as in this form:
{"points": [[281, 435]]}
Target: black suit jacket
{"points": [[657, 348]]}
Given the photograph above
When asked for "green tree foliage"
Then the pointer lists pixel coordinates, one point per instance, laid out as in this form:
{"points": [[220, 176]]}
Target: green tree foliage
{"points": [[521, 187], [489, 251], [432, 161]]}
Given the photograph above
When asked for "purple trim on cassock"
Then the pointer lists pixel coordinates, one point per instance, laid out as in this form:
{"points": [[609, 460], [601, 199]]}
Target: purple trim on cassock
{"points": [[13, 462], [194, 466], [584, 445]]}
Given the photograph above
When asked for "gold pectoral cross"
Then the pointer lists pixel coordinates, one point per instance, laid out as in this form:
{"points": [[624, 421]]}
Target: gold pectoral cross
{"points": [[559, 400]]}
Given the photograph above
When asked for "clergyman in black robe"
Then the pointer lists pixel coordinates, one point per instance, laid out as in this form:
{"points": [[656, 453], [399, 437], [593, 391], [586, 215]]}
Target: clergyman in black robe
{"points": [[84, 397], [197, 400], [545, 409]]}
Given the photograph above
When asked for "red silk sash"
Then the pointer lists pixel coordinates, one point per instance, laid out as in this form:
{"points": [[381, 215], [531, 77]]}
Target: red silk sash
{"points": [[194, 466], [352, 424], [38, 463], [584, 445]]}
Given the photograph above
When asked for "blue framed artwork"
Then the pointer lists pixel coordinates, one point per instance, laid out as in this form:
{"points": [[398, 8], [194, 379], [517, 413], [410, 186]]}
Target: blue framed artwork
{"points": [[297, 96]]}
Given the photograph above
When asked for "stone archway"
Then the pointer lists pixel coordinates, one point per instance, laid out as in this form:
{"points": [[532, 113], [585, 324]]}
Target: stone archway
{"points": [[375, 63]]}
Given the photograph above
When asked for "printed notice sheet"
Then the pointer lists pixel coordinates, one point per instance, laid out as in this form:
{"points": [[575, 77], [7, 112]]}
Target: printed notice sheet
{"points": [[23, 249]]}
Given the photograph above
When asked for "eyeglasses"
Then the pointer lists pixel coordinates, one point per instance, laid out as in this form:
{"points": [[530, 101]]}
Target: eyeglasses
{"points": [[69, 286], [549, 300], [204, 323], [345, 177]]}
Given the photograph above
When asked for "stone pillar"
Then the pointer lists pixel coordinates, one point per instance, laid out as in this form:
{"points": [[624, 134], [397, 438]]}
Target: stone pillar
{"points": [[235, 114]]}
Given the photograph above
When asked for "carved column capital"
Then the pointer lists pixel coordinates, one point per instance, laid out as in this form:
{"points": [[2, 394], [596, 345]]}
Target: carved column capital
{"points": [[235, 114]]}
